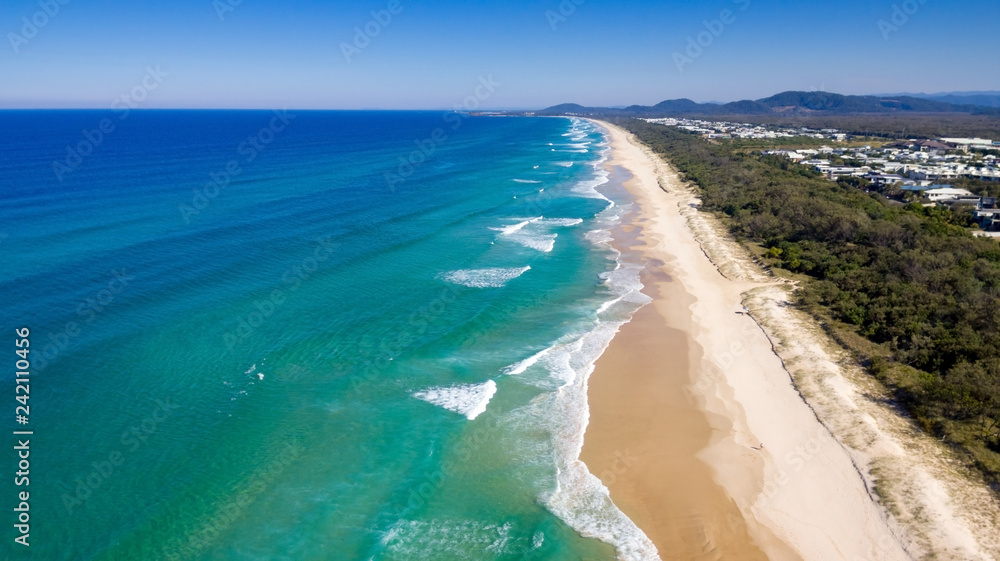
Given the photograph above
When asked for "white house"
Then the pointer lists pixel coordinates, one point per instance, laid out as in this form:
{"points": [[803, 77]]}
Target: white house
{"points": [[946, 194], [967, 141]]}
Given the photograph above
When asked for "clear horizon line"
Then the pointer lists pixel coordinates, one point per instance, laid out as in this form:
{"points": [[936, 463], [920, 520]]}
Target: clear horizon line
{"points": [[274, 108], [484, 109]]}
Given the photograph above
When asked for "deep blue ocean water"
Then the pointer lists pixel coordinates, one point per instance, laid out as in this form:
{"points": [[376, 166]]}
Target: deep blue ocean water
{"points": [[308, 335]]}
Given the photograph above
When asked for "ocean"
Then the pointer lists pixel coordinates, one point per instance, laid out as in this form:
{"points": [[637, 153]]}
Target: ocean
{"points": [[309, 334]]}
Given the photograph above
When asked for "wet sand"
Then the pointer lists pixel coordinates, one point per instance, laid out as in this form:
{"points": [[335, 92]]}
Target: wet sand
{"points": [[645, 452], [647, 428]]}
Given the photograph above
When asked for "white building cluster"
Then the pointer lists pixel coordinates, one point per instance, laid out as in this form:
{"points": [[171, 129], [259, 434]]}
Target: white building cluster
{"points": [[921, 166], [725, 129], [910, 162], [917, 165]]}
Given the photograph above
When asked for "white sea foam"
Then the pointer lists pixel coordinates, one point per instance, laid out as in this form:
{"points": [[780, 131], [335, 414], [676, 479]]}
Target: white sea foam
{"points": [[579, 498], [520, 366], [585, 504], [624, 280], [561, 221], [526, 180], [438, 539], [537, 238], [493, 277], [508, 230], [467, 399], [598, 236], [576, 496], [559, 365], [564, 164], [562, 371], [588, 187], [604, 307]]}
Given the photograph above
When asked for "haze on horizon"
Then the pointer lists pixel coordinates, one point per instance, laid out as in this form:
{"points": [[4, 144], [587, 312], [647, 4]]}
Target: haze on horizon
{"points": [[400, 54]]}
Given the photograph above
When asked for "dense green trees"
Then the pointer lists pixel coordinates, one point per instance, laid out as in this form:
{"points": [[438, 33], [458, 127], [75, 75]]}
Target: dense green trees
{"points": [[911, 280]]}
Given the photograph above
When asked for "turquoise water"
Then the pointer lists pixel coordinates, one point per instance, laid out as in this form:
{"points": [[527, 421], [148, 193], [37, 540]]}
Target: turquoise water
{"points": [[358, 335]]}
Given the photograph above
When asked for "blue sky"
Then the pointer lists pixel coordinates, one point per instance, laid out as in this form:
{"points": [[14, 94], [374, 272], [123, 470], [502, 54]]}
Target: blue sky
{"points": [[435, 54]]}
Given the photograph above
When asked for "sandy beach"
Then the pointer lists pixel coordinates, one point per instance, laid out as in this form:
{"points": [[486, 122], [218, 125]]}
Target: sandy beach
{"points": [[740, 425]]}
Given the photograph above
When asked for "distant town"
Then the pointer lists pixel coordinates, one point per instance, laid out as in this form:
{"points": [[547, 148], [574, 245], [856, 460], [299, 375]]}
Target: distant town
{"points": [[922, 167]]}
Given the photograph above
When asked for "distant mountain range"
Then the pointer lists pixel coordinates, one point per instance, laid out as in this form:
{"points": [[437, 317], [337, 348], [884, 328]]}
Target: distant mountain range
{"points": [[985, 99], [794, 103]]}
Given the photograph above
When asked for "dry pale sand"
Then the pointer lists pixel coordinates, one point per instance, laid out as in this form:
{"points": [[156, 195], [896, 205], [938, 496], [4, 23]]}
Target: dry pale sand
{"points": [[691, 389]]}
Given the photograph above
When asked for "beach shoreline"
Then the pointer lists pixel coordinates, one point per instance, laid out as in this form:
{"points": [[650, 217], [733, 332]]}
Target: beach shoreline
{"points": [[695, 425]]}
